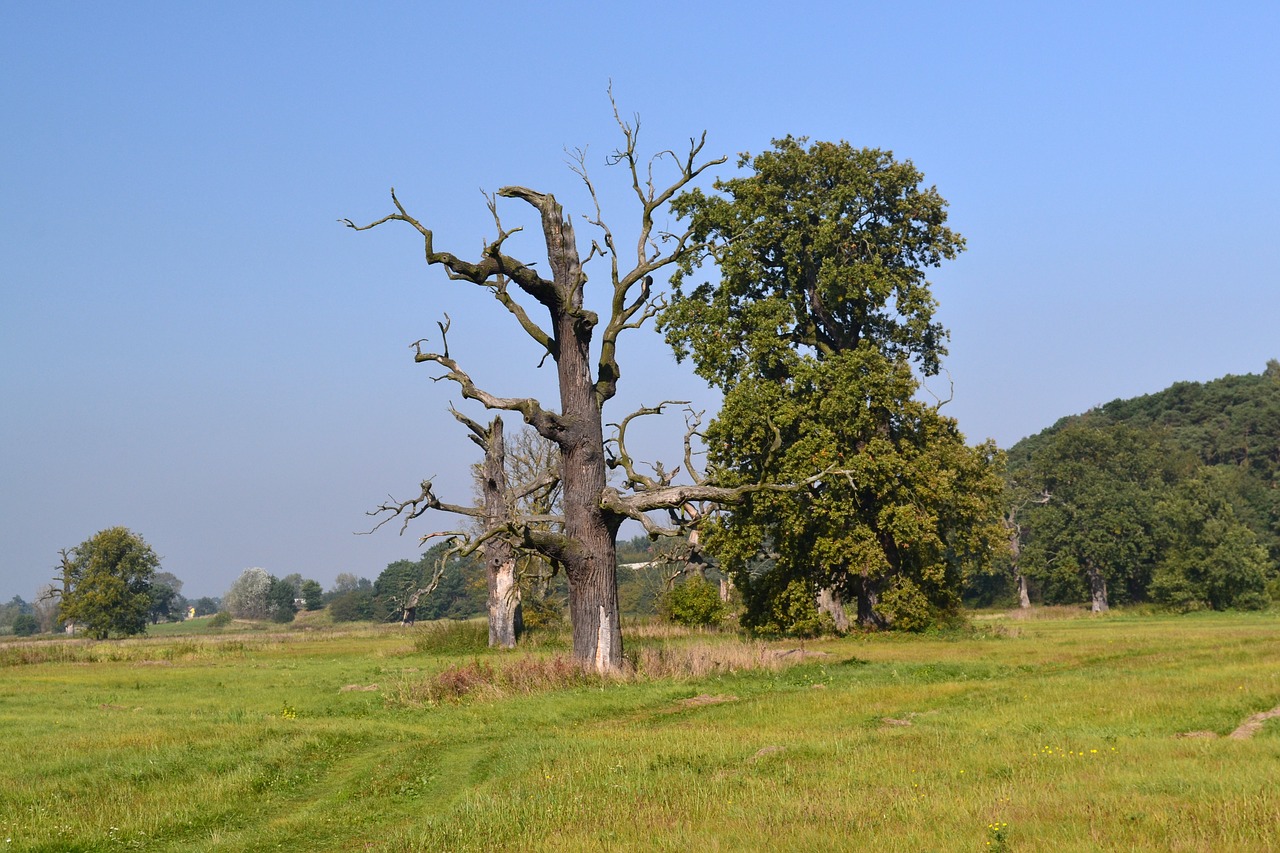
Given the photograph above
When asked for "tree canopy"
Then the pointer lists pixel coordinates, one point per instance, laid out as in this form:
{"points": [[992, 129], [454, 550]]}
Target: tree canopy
{"points": [[820, 250], [1169, 497], [820, 311], [105, 583]]}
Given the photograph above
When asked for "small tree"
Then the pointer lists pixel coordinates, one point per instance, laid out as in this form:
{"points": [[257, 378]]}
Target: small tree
{"points": [[280, 600], [247, 598], [312, 594], [106, 583], [696, 602], [24, 625]]}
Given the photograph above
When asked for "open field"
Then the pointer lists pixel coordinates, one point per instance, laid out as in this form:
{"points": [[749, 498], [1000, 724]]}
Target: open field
{"points": [[1042, 734]]}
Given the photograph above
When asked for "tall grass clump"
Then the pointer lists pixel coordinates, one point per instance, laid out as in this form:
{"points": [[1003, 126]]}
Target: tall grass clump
{"points": [[451, 638]]}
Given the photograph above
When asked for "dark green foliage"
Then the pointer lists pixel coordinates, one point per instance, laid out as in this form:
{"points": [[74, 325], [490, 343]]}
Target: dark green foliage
{"points": [[460, 594], [353, 605], [543, 614], [1173, 497], [106, 583], [24, 625], [912, 501], [166, 604], [313, 594], [821, 309], [10, 612], [205, 605], [221, 619], [695, 602], [777, 606], [280, 600], [820, 249], [1208, 558]]}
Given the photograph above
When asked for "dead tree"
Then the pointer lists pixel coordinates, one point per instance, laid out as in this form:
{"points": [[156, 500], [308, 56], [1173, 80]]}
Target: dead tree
{"points": [[584, 544], [1015, 530]]}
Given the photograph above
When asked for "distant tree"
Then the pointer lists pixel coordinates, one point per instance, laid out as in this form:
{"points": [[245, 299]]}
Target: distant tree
{"points": [[105, 583], [24, 625], [312, 594], [167, 602], [205, 606], [247, 597], [294, 579], [1095, 538], [694, 602], [45, 608], [345, 582], [352, 605], [280, 600], [12, 610], [1208, 558]]}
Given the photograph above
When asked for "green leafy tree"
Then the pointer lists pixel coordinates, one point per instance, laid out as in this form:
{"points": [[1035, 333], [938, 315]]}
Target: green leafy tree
{"points": [[280, 600], [106, 583], [352, 605], [1208, 558], [205, 606], [821, 309], [313, 594], [1094, 538], [24, 625], [694, 602], [167, 602]]}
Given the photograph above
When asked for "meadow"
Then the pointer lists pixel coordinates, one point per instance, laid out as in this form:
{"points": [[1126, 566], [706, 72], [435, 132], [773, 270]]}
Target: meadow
{"points": [[1056, 733]]}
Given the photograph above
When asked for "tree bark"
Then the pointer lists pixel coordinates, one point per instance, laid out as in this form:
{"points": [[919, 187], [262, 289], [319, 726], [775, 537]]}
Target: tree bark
{"points": [[868, 592], [1024, 599], [505, 624], [830, 602], [1097, 589]]}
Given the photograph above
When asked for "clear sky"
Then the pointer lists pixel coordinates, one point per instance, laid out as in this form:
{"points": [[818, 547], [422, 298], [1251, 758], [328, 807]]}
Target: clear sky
{"points": [[192, 346]]}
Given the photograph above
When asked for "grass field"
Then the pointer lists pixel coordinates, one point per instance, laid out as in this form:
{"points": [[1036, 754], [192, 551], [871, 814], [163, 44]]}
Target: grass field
{"points": [[1044, 734]]}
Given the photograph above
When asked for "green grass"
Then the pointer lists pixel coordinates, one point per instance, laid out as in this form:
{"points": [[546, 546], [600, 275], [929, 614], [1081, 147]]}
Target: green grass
{"points": [[1047, 734]]}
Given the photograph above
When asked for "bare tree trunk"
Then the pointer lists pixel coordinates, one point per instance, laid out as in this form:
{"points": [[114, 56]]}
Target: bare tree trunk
{"points": [[590, 563], [1097, 589], [1024, 600], [829, 602], [726, 589], [499, 554]]}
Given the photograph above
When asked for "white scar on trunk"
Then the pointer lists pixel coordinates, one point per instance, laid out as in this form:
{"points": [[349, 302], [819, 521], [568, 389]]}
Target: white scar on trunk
{"points": [[604, 641]]}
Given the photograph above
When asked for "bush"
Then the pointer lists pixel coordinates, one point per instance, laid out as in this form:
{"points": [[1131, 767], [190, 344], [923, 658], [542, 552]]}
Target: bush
{"points": [[221, 619], [542, 614], [24, 625], [778, 607], [352, 606], [695, 602], [907, 607]]}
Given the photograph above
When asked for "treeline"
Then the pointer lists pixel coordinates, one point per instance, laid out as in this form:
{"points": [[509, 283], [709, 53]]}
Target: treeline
{"points": [[1171, 498], [460, 592]]}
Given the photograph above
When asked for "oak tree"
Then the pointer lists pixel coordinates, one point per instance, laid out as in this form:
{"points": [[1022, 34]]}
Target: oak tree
{"points": [[820, 310], [584, 347], [105, 583]]}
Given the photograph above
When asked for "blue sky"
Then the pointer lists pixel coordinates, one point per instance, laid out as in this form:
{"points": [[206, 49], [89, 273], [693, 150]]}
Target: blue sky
{"points": [[193, 347]]}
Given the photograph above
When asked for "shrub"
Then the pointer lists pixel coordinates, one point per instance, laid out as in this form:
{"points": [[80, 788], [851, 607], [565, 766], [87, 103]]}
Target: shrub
{"points": [[542, 614], [352, 606], [221, 619], [695, 602], [24, 625], [907, 607]]}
